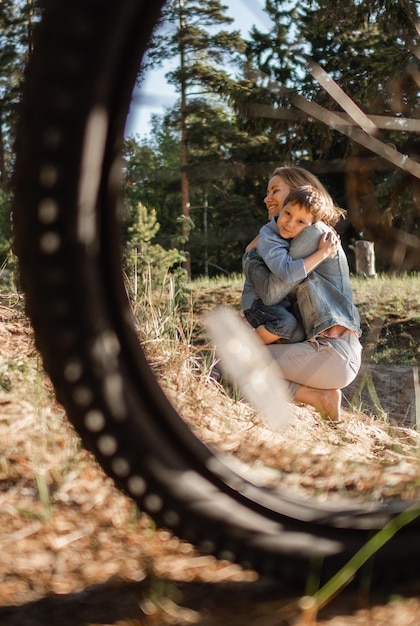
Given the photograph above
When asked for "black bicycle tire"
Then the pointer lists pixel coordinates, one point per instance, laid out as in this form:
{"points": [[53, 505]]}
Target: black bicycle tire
{"points": [[80, 77]]}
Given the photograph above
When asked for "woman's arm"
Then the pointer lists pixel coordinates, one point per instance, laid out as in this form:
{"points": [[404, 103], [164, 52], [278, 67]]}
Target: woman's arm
{"points": [[269, 287]]}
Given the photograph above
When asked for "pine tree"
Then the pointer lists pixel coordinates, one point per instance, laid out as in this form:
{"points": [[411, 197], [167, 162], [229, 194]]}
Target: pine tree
{"points": [[191, 33]]}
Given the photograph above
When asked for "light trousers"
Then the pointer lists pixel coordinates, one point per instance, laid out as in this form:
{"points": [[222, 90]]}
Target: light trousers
{"points": [[321, 363]]}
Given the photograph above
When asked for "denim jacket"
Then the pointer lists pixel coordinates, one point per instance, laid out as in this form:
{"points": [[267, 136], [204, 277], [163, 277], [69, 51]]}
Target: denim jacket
{"points": [[323, 299], [273, 247]]}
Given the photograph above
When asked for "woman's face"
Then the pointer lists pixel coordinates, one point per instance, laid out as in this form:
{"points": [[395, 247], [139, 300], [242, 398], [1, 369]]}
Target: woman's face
{"points": [[277, 191]]}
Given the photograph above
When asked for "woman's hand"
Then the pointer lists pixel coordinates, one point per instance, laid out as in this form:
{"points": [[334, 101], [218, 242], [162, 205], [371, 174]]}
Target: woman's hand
{"points": [[252, 245]]}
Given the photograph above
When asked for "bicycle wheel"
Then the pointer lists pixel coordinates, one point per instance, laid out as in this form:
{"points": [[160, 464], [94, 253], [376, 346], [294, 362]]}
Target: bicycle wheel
{"points": [[76, 99]]}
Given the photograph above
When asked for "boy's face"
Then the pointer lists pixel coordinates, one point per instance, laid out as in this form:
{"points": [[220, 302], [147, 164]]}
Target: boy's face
{"points": [[293, 218]]}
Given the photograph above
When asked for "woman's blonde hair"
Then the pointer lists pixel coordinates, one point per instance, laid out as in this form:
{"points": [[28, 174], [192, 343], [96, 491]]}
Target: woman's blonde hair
{"points": [[296, 176]]}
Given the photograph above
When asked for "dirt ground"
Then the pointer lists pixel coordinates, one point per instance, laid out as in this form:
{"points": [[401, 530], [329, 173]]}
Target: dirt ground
{"points": [[75, 551], [386, 389]]}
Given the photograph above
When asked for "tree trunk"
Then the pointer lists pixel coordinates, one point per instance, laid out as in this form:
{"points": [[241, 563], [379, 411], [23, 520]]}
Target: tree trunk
{"points": [[365, 258], [3, 173], [185, 190]]}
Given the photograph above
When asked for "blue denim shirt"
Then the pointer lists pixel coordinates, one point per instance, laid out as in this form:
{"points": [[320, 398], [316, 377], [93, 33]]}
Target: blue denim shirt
{"points": [[323, 299]]}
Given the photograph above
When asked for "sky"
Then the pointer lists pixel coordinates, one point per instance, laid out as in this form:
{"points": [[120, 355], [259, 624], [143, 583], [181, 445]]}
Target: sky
{"points": [[155, 94]]}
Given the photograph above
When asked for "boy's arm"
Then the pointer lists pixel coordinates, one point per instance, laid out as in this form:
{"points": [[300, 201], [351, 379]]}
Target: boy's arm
{"points": [[274, 251]]}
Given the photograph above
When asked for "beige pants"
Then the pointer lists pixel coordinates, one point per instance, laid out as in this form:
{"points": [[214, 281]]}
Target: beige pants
{"points": [[322, 363]]}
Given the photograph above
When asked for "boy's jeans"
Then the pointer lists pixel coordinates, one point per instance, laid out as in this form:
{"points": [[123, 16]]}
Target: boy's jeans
{"points": [[277, 319]]}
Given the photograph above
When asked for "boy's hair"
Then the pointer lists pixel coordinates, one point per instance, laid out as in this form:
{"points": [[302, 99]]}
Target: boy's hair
{"points": [[310, 199], [296, 176]]}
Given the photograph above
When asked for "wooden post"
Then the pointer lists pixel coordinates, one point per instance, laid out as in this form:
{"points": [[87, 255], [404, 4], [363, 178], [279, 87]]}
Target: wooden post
{"points": [[365, 258]]}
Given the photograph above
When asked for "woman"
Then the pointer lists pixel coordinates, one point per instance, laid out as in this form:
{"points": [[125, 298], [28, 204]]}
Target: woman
{"points": [[329, 359]]}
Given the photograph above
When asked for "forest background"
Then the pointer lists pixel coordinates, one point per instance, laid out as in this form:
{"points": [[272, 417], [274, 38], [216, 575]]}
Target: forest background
{"points": [[334, 91]]}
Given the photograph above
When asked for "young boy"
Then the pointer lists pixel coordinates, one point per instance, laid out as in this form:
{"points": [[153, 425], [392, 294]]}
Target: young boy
{"points": [[302, 207]]}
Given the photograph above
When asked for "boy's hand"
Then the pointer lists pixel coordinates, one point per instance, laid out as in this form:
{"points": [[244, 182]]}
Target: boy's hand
{"points": [[329, 243]]}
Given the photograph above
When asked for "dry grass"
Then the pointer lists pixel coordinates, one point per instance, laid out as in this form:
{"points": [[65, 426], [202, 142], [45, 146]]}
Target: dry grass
{"points": [[367, 456], [64, 527], [364, 457]]}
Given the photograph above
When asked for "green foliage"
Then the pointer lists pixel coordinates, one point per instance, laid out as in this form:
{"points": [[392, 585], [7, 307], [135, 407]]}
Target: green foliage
{"points": [[238, 106], [145, 261], [239, 129], [223, 217], [369, 50], [152, 177]]}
